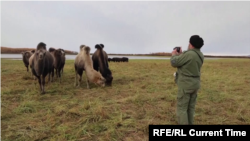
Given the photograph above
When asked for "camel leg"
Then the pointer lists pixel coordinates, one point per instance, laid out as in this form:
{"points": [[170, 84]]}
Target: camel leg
{"points": [[59, 74], [34, 77], [52, 75], [40, 84], [79, 80], [56, 73], [31, 73], [87, 80], [88, 84], [49, 77], [43, 84], [76, 76]]}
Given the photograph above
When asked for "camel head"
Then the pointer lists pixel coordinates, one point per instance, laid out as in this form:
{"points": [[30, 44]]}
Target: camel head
{"points": [[99, 80], [109, 78], [40, 54], [26, 54]]}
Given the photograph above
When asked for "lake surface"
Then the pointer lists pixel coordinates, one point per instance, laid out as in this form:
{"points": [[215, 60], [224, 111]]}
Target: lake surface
{"points": [[72, 57]]}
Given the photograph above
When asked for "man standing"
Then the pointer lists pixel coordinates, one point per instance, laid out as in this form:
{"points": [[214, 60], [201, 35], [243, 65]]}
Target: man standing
{"points": [[188, 74]]}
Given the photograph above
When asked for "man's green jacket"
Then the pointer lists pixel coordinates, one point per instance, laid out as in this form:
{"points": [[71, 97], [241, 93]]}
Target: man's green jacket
{"points": [[188, 66]]}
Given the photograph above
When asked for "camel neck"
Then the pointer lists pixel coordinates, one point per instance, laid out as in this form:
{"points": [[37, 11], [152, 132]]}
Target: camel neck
{"points": [[39, 66], [88, 69]]}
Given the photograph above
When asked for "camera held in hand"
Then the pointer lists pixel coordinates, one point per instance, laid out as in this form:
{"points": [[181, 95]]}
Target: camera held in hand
{"points": [[178, 49]]}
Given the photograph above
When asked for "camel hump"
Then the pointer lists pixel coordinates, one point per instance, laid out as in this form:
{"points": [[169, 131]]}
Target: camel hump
{"points": [[102, 45], [41, 45], [87, 49], [98, 46], [82, 46], [51, 49]]}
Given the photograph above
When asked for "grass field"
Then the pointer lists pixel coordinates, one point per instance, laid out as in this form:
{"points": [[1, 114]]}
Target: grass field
{"points": [[143, 93]]}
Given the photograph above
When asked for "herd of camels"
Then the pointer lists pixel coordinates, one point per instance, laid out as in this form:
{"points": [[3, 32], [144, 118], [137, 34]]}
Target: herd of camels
{"points": [[43, 62]]}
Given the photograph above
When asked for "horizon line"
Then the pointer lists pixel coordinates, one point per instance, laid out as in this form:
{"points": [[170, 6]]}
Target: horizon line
{"points": [[212, 54]]}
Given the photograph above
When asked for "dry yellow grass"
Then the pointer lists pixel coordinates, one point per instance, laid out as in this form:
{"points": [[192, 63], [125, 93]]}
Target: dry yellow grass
{"points": [[143, 93]]}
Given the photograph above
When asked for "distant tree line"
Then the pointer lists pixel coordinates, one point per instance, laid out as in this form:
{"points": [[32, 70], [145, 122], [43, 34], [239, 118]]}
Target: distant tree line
{"points": [[8, 50]]}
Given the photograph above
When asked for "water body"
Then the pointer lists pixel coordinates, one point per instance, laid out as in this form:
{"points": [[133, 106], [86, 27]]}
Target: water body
{"points": [[72, 57]]}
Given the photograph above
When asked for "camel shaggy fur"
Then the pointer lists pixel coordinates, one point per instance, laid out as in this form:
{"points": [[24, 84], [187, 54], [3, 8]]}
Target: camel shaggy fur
{"points": [[100, 62], [42, 65], [26, 55], [58, 64], [30, 64], [82, 63], [63, 60]]}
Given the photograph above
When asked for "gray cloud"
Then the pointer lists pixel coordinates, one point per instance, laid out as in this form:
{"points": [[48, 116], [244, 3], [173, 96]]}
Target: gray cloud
{"points": [[128, 27]]}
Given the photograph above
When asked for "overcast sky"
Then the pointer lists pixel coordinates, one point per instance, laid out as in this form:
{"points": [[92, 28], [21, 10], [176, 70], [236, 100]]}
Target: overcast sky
{"points": [[128, 27]]}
